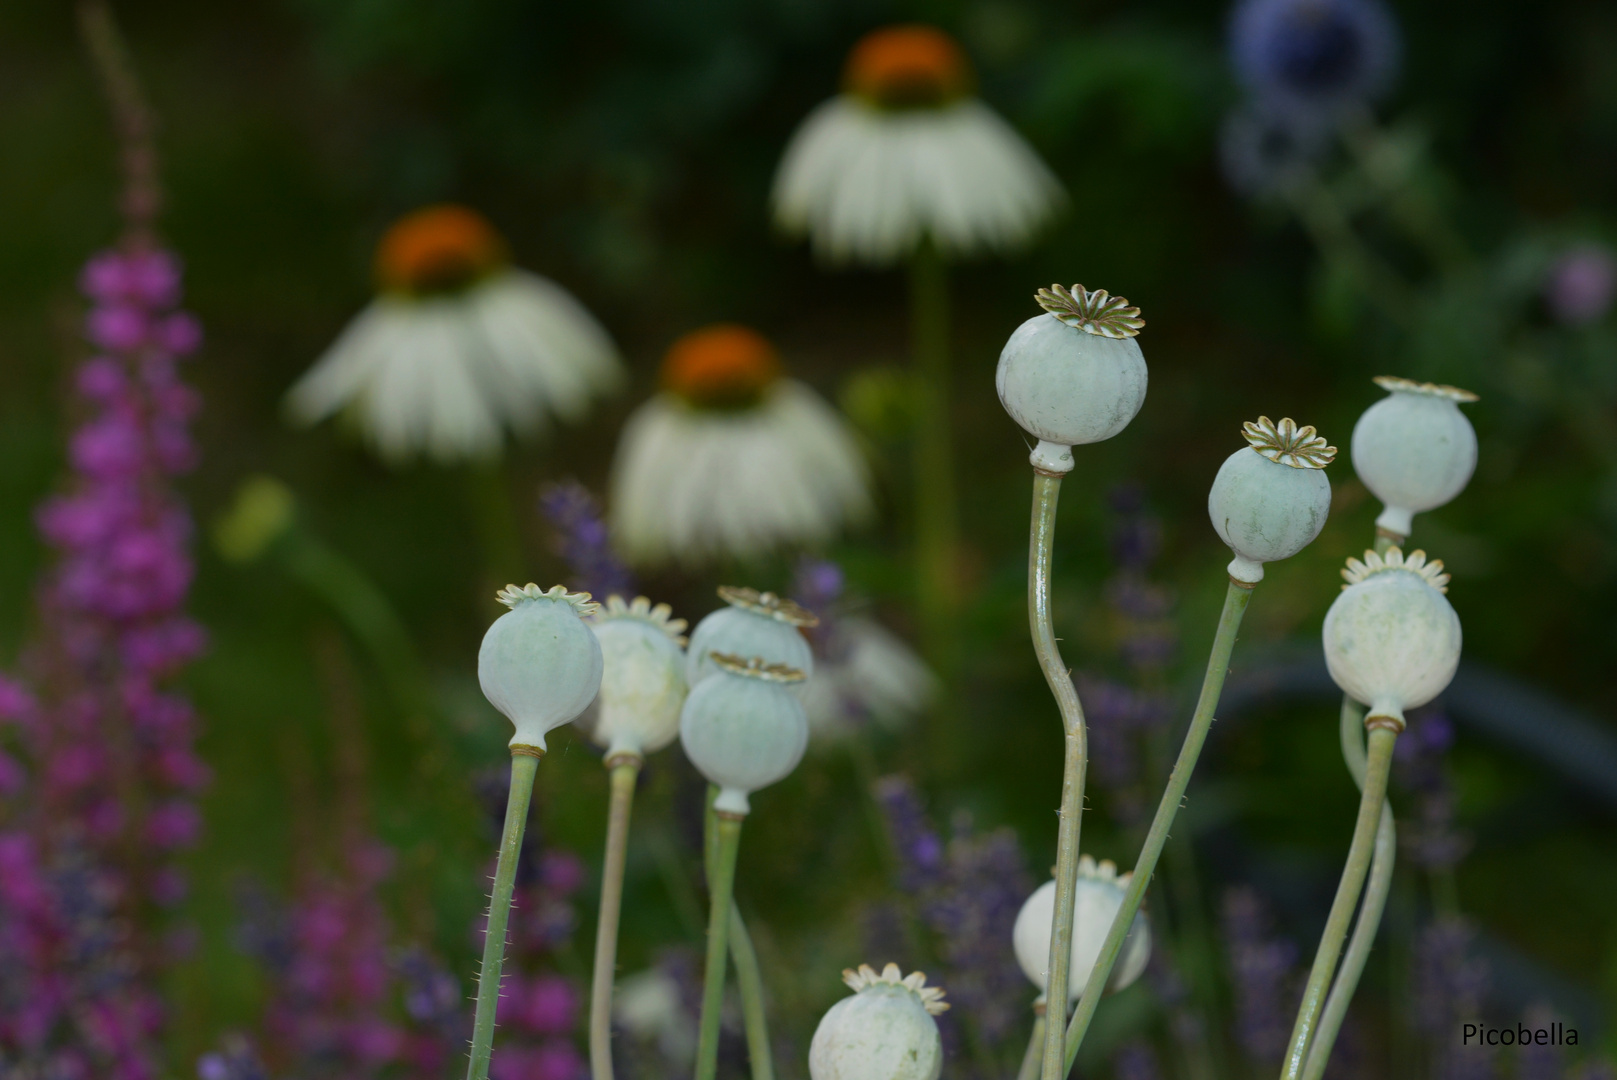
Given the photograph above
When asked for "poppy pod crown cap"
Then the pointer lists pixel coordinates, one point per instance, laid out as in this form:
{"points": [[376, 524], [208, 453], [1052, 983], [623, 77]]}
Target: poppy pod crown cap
{"points": [[1270, 499], [1392, 640], [438, 249], [884, 1031], [911, 66], [642, 677], [1074, 375], [539, 664], [1414, 449]]}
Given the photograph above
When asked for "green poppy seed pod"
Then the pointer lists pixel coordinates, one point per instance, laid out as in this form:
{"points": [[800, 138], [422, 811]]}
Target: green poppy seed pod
{"points": [[1100, 897], [1270, 499], [1392, 641], [1414, 450], [1074, 375], [642, 678], [743, 728], [753, 624], [885, 1031], [539, 664]]}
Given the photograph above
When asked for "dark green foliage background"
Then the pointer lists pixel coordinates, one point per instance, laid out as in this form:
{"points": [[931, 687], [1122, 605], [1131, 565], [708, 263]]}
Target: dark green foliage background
{"points": [[626, 149]]}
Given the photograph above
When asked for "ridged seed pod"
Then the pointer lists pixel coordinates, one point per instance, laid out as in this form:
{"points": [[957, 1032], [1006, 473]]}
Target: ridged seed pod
{"points": [[753, 624], [1100, 897], [539, 664], [1392, 641], [1270, 498], [743, 728], [885, 1031], [1074, 375], [1414, 450], [642, 678]]}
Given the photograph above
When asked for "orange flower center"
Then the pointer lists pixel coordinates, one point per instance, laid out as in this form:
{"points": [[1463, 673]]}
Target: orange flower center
{"points": [[438, 249], [907, 67], [721, 367]]}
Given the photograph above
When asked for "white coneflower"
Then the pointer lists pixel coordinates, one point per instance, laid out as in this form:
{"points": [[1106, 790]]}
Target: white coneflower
{"points": [[460, 346], [732, 459], [907, 153], [866, 673]]}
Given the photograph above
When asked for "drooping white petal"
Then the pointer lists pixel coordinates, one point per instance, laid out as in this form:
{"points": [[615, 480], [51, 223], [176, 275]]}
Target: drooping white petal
{"points": [[866, 184], [691, 484], [447, 376]]}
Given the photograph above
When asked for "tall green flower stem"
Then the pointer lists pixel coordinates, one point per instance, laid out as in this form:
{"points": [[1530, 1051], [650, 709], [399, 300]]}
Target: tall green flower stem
{"points": [[524, 764], [625, 770], [1383, 737], [749, 977], [1041, 542], [496, 522], [723, 878], [1376, 890], [1236, 599], [936, 523], [1033, 1059]]}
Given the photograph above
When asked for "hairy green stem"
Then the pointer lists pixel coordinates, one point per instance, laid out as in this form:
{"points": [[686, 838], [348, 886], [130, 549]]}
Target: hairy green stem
{"points": [[1041, 542], [1382, 741], [523, 767], [1376, 890], [936, 522], [1236, 599], [625, 771], [1033, 1059], [723, 877], [749, 976]]}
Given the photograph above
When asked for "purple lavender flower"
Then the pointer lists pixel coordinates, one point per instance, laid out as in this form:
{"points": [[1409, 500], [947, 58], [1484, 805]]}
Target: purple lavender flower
{"points": [[1428, 837], [1261, 970], [1135, 1061], [916, 844], [235, 1060], [1451, 986], [1580, 284], [582, 539], [1314, 57]]}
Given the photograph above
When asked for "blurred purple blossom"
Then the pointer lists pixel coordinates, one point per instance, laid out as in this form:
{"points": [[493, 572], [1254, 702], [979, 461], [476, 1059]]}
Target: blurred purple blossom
{"points": [[1314, 57], [1262, 968], [1581, 283], [1428, 837], [1135, 1061], [1450, 987], [583, 540]]}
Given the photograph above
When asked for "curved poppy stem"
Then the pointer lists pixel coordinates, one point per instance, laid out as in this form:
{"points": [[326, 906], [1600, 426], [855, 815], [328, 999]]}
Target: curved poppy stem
{"points": [[1236, 599], [1382, 741]]}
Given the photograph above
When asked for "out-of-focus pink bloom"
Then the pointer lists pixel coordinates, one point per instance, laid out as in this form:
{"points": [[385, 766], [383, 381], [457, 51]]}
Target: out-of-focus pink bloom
{"points": [[551, 1006], [174, 825], [562, 872], [1581, 284]]}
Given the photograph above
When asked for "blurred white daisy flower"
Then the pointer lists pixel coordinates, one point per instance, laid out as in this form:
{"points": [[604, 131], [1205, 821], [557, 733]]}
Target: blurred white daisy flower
{"points": [[732, 459], [907, 153], [459, 347]]}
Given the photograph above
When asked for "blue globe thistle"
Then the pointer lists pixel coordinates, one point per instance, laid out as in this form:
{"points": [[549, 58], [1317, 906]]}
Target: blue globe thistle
{"points": [[1314, 56]]}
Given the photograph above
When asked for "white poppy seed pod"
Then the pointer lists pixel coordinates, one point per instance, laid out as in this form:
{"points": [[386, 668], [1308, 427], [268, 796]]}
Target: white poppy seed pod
{"points": [[743, 728], [885, 1031], [1392, 641], [1100, 897], [1270, 498], [642, 678], [1074, 375], [1414, 449], [539, 664], [754, 623]]}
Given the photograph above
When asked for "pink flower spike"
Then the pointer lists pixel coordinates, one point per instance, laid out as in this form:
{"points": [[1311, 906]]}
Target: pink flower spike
{"points": [[180, 334], [121, 329]]}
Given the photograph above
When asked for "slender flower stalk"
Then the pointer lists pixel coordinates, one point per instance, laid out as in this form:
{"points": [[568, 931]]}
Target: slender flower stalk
{"points": [[625, 769], [1376, 890], [749, 977], [1046, 493], [1236, 599], [1033, 1059], [936, 516], [726, 846], [524, 765], [1383, 737]]}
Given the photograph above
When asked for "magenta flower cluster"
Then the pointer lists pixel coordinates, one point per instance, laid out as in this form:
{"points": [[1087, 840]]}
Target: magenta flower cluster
{"points": [[98, 798]]}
